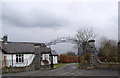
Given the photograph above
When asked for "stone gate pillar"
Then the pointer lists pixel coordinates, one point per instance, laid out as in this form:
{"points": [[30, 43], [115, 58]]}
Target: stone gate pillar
{"points": [[93, 58], [92, 52], [37, 60]]}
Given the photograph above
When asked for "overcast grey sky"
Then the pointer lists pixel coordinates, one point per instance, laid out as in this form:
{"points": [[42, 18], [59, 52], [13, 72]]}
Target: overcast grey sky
{"points": [[43, 21]]}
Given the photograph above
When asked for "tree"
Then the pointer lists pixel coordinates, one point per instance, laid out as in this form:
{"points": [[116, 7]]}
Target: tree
{"points": [[83, 35], [71, 53], [108, 48], [103, 40]]}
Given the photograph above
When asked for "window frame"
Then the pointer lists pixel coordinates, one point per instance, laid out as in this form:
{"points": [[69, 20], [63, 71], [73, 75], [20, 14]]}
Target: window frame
{"points": [[19, 58]]}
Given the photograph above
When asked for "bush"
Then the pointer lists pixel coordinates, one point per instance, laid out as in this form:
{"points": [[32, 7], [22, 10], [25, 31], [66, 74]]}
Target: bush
{"points": [[116, 59], [109, 59], [85, 58]]}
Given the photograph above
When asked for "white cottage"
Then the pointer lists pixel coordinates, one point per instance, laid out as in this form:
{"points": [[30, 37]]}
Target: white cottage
{"points": [[49, 55], [55, 56], [16, 54], [45, 54], [21, 54]]}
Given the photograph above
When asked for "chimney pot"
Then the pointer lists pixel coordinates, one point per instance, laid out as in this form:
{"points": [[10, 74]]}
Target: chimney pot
{"points": [[5, 39]]}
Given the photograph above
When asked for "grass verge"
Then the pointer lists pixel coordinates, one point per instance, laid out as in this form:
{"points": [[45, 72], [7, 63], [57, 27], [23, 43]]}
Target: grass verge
{"points": [[59, 65]]}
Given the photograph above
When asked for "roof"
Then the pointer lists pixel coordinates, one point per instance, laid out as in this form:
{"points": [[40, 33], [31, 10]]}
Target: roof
{"points": [[41, 44], [45, 50], [22, 47], [54, 53], [16, 47]]}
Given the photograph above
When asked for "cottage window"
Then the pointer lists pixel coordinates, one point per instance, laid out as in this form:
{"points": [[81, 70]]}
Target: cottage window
{"points": [[46, 56], [19, 58]]}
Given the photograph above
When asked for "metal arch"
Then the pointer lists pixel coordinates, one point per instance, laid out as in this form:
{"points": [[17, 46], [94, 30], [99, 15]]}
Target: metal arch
{"points": [[62, 40]]}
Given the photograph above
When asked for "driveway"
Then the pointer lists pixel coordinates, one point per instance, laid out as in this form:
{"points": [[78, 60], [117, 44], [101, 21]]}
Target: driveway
{"points": [[67, 70]]}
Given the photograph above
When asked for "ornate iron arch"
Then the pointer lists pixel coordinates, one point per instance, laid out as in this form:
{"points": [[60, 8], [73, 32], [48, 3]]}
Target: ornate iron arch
{"points": [[62, 40]]}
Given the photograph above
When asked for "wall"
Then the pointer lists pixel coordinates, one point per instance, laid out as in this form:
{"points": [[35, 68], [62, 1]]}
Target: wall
{"points": [[48, 58], [28, 58], [30, 67], [55, 59], [19, 69], [108, 66]]}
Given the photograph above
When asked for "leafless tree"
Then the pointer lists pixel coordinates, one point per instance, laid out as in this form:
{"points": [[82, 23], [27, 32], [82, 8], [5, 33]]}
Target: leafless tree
{"points": [[104, 40], [70, 53], [107, 47], [83, 35]]}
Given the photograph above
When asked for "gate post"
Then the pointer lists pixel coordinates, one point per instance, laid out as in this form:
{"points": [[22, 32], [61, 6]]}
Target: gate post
{"points": [[37, 60], [92, 52]]}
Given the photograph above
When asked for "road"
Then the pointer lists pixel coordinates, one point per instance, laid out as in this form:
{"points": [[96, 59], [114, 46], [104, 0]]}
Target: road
{"points": [[67, 70]]}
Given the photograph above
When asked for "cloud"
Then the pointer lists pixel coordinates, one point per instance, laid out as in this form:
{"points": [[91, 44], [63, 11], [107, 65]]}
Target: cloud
{"points": [[37, 22], [22, 15]]}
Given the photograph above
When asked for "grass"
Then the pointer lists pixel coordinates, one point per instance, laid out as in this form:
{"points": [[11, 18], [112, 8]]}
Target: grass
{"points": [[77, 64], [59, 65]]}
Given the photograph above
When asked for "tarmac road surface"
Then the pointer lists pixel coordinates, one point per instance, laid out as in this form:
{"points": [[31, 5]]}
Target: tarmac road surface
{"points": [[67, 70]]}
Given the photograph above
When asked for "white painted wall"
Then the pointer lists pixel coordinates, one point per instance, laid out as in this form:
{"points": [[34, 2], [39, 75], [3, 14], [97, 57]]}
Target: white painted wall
{"points": [[28, 58], [47, 56], [55, 59]]}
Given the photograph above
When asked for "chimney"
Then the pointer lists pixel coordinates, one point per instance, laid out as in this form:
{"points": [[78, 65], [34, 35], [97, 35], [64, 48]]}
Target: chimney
{"points": [[5, 39]]}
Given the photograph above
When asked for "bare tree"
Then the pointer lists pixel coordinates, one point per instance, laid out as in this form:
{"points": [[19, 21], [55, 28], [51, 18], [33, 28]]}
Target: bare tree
{"points": [[102, 41], [107, 47], [70, 53], [83, 35]]}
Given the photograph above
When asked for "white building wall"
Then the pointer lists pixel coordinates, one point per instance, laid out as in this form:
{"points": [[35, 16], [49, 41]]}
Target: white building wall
{"points": [[8, 60], [28, 58], [47, 57], [55, 59]]}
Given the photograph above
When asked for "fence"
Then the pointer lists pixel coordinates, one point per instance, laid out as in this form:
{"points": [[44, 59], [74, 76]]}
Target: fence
{"points": [[68, 59]]}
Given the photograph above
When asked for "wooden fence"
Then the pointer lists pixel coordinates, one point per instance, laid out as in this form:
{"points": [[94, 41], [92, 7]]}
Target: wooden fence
{"points": [[68, 59]]}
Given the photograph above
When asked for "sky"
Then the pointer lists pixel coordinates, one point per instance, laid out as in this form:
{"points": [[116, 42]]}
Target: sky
{"points": [[44, 21]]}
